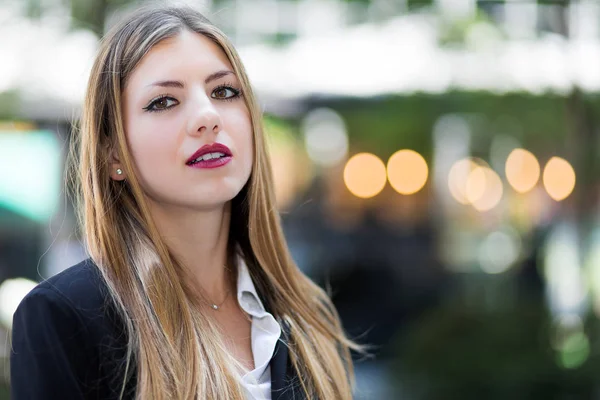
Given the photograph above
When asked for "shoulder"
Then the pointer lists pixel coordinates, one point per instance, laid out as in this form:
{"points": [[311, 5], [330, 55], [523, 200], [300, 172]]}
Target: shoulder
{"points": [[73, 304], [66, 338], [80, 285], [76, 296]]}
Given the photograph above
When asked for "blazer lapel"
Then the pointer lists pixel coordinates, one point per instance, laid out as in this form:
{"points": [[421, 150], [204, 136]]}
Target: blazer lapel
{"points": [[278, 371], [284, 382]]}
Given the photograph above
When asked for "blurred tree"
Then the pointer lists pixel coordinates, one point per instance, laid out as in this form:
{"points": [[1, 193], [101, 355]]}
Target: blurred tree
{"points": [[416, 4], [33, 8], [9, 104], [92, 14], [457, 352], [387, 123]]}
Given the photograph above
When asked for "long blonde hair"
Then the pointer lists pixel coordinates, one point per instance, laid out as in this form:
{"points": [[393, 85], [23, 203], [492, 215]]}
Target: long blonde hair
{"points": [[176, 349]]}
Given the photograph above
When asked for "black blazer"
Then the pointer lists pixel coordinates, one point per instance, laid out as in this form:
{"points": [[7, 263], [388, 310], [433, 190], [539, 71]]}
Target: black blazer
{"points": [[69, 343]]}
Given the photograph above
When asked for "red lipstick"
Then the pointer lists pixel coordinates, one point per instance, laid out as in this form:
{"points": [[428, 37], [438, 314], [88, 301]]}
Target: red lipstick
{"points": [[210, 156]]}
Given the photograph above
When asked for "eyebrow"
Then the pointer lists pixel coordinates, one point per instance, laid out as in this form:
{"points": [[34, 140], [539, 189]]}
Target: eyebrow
{"points": [[180, 85]]}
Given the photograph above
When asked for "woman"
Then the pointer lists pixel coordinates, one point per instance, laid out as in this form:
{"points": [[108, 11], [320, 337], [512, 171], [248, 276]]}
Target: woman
{"points": [[190, 290]]}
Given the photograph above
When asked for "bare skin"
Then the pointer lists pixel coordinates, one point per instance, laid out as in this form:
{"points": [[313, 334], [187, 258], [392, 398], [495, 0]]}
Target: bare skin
{"points": [[184, 95], [236, 327]]}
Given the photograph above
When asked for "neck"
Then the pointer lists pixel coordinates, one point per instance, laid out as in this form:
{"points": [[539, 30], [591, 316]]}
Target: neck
{"points": [[199, 240]]}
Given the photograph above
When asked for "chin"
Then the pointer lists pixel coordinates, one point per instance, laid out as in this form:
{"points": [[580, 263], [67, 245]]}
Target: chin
{"points": [[216, 199], [202, 197]]}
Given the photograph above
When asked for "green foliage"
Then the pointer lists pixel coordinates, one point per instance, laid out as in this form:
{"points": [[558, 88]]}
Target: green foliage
{"points": [[91, 14], [416, 4], [9, 104], [280, 39], [278, 128], [455, 31], [4, 392], [457, 352], [385, 124], [34, 9]]}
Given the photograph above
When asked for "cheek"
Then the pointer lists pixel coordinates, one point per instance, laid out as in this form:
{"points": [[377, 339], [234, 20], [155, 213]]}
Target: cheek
{"points": [[150, 146], [239, 127], [246, 142]]}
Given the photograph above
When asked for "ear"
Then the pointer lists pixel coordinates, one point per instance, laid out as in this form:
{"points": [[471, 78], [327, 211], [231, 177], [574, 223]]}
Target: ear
{"points": [[117, 172]]}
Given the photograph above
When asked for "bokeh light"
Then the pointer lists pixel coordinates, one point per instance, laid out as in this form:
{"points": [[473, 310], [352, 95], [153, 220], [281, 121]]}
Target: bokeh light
{"points": [[12, 291], [499, 250], [522, 170], [472, 181], [292, 170], [574, 350], [284, 175], [478, 246], [476, 184], [457, 179], [325, 137], [407, 171], [566, 285], [484, 188], [33, 191], [365, 175], [559, 178], [569, 341]]}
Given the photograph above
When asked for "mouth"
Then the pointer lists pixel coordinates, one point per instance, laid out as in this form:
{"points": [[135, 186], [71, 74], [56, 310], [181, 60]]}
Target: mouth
{"points": [[210, 152], [207, 157]]}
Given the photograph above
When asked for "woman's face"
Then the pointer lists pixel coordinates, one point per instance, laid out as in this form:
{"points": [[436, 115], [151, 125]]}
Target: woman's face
{"points": [[182, 96]]}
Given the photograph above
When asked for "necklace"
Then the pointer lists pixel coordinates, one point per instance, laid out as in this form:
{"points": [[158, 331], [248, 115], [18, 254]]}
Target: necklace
{"points": [[217, 307]]}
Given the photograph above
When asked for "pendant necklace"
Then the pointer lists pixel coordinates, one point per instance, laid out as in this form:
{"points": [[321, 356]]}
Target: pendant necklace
{"points": [[217, 307]]}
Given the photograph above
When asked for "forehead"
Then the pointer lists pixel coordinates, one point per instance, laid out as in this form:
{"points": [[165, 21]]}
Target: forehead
{"points": [[188, 52]]}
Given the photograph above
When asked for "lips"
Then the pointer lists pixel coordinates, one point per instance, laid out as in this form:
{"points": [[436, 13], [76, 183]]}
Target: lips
{"points": [[209, 148]]}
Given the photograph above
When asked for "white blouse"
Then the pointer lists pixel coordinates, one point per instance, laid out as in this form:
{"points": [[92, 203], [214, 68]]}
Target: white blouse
{"points": [[265, 333]]}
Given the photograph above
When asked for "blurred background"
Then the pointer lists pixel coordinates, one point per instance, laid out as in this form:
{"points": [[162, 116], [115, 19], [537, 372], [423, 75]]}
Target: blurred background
{"points": [[435, 161]]}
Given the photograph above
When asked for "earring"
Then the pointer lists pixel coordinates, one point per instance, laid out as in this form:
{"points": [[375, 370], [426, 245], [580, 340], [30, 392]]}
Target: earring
{"points": [[119, 171]]}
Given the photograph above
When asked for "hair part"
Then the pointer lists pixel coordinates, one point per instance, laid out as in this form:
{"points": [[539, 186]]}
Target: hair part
{"points": [[176, 349]]}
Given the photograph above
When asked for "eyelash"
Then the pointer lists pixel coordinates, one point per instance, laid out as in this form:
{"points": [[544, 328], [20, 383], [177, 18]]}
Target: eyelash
{"points": [[150, 107], [236, 92]]}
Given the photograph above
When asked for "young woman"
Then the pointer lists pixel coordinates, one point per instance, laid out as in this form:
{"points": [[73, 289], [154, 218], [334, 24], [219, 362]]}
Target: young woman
{"points": [[190, 291]]}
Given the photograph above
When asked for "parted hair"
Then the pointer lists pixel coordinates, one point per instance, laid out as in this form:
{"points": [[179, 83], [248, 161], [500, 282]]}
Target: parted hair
{"points": [[175, 347]]}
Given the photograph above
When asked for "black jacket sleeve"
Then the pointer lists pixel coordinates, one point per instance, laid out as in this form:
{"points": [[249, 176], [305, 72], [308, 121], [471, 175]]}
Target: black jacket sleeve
{"points": [[48, 356]]}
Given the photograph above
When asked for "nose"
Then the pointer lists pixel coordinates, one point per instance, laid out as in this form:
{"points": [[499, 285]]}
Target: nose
{"points": [[205, 119]]}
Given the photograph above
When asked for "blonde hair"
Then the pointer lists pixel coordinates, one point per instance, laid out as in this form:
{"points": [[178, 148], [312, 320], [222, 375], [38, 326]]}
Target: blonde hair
{"points": [[175, 348]]}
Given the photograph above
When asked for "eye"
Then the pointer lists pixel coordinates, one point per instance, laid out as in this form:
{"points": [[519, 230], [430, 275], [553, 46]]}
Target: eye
{"points": [[161, 103], [225, 93]]}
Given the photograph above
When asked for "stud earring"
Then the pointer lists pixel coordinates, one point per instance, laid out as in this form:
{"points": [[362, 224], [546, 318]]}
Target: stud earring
{"points": [[119, 171]]}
